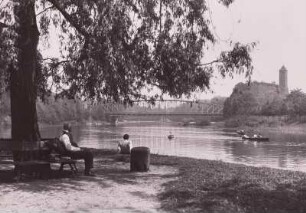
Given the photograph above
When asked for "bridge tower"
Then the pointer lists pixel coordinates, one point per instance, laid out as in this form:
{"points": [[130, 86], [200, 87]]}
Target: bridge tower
{"points": [[283, 81]]}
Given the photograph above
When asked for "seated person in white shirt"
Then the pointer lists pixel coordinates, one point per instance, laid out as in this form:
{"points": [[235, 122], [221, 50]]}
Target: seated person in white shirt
{"points": [[76, 152], [125, 146]]}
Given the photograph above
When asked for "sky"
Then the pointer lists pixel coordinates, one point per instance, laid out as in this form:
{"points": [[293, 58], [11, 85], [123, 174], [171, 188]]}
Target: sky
{"points": [[279, 27]]}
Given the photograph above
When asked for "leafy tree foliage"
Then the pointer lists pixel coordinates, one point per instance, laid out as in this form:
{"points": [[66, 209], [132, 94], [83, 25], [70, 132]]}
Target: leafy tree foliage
{"points": [[240, 104], [296, 102], [111, 50], [293, 104], [275, 107], [56, 112], [115, 49], [245, 101], [6, 45]]}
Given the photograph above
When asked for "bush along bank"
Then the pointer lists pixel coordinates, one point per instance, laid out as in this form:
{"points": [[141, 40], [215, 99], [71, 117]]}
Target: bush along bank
{"points": [[257, 121]]}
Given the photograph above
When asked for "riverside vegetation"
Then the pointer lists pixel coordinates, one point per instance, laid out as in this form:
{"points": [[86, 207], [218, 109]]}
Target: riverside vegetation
{"points": [[260, 104], [263, 99], [58, 110]]}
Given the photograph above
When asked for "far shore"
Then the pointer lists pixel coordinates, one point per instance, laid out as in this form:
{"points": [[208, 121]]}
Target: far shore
{"points": [[291, 129], [295, 128], [278, 124]]}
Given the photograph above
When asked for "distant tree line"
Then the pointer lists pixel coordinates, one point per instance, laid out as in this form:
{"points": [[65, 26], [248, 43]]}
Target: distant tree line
{"points": [[246, 103], [57, 110], [200, 105], [50, 111], [60, 110]]}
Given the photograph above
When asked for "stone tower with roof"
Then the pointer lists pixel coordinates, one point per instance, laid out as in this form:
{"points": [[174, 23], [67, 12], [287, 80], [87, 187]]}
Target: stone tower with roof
{"points": [[283, 81]]}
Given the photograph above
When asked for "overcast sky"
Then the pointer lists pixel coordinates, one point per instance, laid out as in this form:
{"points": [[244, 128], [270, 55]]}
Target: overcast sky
{"points": [[279, 27]]}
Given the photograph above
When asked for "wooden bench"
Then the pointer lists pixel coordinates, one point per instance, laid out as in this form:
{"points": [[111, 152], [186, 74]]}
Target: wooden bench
{"points": [[58, 154], [32, 158]]}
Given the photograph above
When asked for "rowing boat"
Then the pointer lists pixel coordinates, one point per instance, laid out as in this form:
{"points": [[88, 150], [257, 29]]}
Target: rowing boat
{"points": [[255, 138]]}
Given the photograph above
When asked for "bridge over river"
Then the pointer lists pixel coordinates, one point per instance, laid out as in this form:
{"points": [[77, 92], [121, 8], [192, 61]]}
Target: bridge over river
{"points": [[165, 109]]}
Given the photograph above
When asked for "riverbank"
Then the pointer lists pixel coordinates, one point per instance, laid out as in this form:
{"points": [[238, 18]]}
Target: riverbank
{"points": [[280, 124], [292, 128], [173, 184]]}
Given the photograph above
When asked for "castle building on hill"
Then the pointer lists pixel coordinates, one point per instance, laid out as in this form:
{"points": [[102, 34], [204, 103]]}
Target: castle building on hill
{"points": [[253, 97], [283, 81], [257, 97], [268, 91], [263, 91]]}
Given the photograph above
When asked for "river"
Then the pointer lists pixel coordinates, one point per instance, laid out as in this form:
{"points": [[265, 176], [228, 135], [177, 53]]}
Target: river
{"points": [[285, 151]]}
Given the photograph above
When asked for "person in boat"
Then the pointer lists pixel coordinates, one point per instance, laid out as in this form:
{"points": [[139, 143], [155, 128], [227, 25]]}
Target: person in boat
{"points": [[125, 146], [257, 136], [170, 136], [75, 151], [245, 136]]}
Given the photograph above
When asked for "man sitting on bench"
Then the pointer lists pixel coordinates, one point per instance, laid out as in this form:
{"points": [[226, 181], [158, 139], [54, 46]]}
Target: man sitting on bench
{"points": [[76, 152]]}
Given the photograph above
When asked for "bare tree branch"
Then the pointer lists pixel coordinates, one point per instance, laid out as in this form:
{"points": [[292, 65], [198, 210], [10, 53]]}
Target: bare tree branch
{"points": [[70, 19], [48, 8], [210, 63], [51, 59], [55, 61]]}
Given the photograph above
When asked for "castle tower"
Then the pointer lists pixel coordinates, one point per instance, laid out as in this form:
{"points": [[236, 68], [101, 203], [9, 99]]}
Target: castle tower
{"points": [[283, 81]]}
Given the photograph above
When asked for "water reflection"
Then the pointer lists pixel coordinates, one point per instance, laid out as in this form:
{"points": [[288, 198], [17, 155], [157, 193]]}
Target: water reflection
{"points": [[283, 151]]}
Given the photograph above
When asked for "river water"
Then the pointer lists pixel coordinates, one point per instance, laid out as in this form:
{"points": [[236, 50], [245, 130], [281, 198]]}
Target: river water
{"points": [[285, 151]]}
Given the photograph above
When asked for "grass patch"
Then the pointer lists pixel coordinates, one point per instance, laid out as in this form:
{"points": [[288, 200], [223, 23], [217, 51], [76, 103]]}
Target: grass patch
{"points": [[215, 186]]}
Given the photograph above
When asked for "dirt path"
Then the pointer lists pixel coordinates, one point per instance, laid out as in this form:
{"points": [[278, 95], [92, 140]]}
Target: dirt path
{"points": [[113, 189]]}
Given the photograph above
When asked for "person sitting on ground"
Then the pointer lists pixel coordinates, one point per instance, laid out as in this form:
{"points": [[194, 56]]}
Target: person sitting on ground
{"points": [[76, 152], [125, 146]]}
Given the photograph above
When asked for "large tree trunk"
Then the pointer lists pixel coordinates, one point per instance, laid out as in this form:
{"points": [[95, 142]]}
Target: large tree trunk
{"points": [[23, 78]]}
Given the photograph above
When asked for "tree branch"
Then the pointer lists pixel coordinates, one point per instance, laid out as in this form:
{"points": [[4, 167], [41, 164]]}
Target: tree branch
{"points": [[45, 59], [160, 16], [68, 17], [55, 62], [3, 25], [48, 8], [210, 63]]}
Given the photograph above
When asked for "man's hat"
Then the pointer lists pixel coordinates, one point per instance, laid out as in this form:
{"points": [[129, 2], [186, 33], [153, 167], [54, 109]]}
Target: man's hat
{"points": [[67, 127]]}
